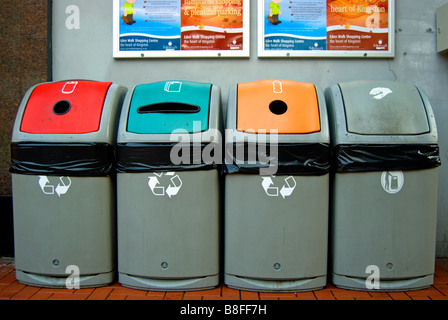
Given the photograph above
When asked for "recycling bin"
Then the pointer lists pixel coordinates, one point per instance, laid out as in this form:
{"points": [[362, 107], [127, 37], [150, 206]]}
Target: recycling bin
{"points": [[277, 160], [62, 184], [384, 189], [168, 186]]}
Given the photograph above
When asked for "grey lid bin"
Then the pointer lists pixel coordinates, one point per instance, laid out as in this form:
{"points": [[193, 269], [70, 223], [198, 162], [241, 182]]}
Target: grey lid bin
{"points": [[384, 189], [63, 192], [168, 191]]}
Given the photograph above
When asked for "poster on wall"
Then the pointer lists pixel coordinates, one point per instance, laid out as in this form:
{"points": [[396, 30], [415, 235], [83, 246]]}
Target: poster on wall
{"points": [[180, 28], [326, 28]]}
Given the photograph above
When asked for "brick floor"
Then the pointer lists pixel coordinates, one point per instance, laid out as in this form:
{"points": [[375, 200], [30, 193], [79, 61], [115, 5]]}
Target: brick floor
{"points": [[11, 289]]}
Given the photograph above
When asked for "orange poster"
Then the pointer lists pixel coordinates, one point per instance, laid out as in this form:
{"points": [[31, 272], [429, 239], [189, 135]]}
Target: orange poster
{"points": [[358, 25], [212, 25]]}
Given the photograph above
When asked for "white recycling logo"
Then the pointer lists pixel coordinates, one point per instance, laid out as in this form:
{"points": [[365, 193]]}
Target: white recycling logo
{"points": [[49, 189], [171, 190], [285, 191]]}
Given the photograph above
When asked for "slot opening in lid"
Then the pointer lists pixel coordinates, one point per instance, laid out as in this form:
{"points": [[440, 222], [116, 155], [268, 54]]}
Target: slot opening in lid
{"points": [[61, 107], [278, 107], [169, 107]]}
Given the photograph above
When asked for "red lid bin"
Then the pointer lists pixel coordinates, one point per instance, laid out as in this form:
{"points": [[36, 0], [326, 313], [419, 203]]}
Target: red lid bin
{"points": [[67, 107]]}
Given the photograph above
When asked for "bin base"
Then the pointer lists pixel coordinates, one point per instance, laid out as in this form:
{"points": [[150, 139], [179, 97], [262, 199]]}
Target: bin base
{"points": [[88, 281], [351, 283], [191, 284], [260, 285]]}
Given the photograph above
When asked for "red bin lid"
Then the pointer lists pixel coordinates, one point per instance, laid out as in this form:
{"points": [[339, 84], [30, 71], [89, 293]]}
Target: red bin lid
{"points": [[66, 107]]}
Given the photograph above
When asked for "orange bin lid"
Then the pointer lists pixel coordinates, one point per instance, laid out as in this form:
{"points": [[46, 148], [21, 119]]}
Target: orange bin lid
{"points": [[290, 107]]}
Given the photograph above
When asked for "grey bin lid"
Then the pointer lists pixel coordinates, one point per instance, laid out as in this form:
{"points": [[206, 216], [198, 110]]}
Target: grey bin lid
{"points": [[384, 108]]}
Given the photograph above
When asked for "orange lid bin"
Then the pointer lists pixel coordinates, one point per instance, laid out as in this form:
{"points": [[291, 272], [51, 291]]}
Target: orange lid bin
{"points": [[290, 107]]}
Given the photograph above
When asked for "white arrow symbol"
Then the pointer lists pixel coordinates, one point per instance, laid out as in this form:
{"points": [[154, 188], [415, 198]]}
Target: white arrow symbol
{"points": [[270, 191], [43, 180], [62, 189], [172, 191], [289, 188], [157, 191]]}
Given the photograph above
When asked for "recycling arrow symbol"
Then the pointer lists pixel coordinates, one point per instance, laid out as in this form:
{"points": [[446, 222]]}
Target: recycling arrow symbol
{"points": [[285, 191], [49, 189], [160, 191]]}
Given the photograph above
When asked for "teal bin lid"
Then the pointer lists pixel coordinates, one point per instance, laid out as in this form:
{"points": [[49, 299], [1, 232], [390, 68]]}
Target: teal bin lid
{"points": [[162, 107]]}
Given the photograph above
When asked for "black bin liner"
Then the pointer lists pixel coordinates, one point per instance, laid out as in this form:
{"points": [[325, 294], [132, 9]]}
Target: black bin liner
{"points": [[155, 157], [70, 159], [385, 157], [291, 159]]}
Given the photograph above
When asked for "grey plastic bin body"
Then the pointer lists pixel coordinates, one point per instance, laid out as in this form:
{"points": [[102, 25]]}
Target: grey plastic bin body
{"points": [[276, 215], [384, 190], [169, 211], [63, 192]]}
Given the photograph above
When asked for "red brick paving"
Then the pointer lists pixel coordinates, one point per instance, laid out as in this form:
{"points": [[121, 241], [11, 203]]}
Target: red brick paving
{"points": [[11, 289]]}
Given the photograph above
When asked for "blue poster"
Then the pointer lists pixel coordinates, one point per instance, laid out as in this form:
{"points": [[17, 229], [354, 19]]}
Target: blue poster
{"points": [[150, 25], [295, 25]]}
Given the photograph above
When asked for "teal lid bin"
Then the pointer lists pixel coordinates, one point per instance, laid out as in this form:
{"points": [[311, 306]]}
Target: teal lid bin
{"points": [[162, 107], [167, 160]]}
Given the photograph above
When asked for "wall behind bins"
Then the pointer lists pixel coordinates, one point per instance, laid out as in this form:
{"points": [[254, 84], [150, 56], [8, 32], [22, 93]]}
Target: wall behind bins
{"points": [[86, 53], [23, 62]]}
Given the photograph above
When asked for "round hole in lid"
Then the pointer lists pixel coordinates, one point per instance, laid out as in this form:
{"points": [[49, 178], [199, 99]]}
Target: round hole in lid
{"points": [[61, 107], [278, 107]]}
